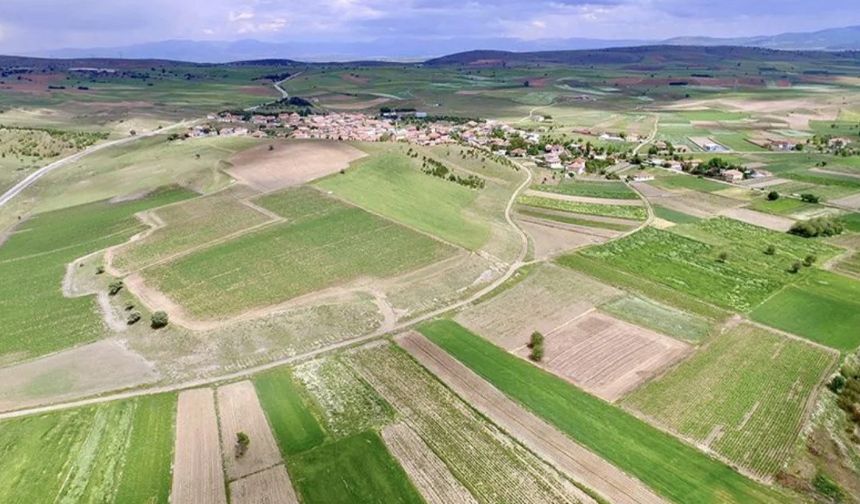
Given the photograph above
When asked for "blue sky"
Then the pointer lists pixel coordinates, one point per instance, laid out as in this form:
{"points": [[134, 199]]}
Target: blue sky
{"points": [[38, 25]]}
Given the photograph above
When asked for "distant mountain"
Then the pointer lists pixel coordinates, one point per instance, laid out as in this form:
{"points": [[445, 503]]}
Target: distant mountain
{"points": [[833, 39]]}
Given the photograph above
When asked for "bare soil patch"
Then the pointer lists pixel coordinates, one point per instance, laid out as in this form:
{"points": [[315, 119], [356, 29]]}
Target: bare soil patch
{"points": [[198, 477], [425, 469], [239, 411], [271, 486], [71, 374], [852, 201], [291, 163], [550, 239], [774, 222], [606, 356], [766, 182], [543, 439]]}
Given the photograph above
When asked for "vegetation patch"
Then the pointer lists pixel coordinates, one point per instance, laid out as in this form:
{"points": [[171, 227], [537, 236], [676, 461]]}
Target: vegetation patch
{"points": [[659, 317], [571, 219], [622, 439], [621, 211], [295, 427], [758, 387], [687, 182], [674, 215], [591, 189]]}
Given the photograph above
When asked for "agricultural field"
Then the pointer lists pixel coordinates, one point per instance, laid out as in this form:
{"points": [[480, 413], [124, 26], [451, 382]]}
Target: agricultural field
{"points": [[681, 182], [659, 317], [329, 243], [617, 436], [41, 319], [115, 452], [591, 189], [673, 216], [823, 307], [620, 211], [745, 396]]}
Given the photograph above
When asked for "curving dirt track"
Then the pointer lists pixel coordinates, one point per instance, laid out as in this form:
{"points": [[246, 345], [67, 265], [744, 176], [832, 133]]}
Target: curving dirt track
{"points": [[571, 458]]}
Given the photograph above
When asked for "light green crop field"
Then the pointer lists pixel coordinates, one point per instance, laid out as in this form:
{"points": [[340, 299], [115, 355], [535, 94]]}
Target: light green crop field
{"points": [[38, 318], [187, 226], [114, 452], [567, 218], [620, 211], [851, 222], [823, 307], [783, 206], [659, 317], [614, 190], [294, 425], [687, 182], [673, 215], [744, 395], [745, 279], [353, 469], [391, 184], [672, 468], [320, 249]]}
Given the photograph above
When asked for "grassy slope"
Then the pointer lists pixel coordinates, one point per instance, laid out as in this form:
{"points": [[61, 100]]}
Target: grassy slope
{"points": [[322, 248], [674, 469], [824, 307], [390, 185], [353, 469], [37, 318], [751, 383]]}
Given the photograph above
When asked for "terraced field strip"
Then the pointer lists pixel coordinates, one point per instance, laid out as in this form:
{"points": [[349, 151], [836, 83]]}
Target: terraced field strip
{"points": [[592, 189], [271, 486], [669, 466], [239, 411], [571, 458], [487, 461], [772, 222], [426, 470], [198, 476], [625, 211], [745, 396], [606, 356], [585, 199]]}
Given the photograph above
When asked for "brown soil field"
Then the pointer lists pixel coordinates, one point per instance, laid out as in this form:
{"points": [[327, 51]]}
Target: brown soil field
{"points": [[550, 238], [544, 301], [774, 222], [576, 461], [695, 203], [852, 201], [239, 410], [271, 486], [765, 182], [291, 163], [425, 469], [585, 199], [606, 356], [198, 477], [68, 375]]}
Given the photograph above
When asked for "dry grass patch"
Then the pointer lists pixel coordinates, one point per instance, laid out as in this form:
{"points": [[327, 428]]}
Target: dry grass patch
{"points": [[291, 163]]}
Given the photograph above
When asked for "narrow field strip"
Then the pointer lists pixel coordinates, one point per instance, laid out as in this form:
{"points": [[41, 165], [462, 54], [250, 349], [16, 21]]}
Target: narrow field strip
{"points": [[271, 486], [198, 475]]}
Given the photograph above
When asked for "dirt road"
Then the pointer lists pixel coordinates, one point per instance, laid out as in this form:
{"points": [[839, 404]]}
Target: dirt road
{"points": [[540, 437]]}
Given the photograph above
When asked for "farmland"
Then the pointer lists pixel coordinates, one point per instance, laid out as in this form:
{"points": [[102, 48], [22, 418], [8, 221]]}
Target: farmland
{"points": [[617, 436], [624, 212], [758, 385], [321, 249], [613, 190], [118, 452]]}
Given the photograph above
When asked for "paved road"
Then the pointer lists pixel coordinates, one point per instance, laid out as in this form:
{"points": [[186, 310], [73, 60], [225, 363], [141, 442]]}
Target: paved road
{"points": [[41, 172]]}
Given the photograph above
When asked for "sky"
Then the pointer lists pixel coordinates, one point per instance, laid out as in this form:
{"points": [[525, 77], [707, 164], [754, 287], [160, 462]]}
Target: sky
{"points": [[31, 26]]}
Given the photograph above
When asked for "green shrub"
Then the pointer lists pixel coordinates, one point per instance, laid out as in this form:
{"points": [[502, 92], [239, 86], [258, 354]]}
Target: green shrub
{"points": [[827, 487], [810, 198], [820, 226], [809, 260], [536, 344], [770, 250], [133, 318], [772, 196], [242, 444], [115, 287], [159, 320], [794, 268]]}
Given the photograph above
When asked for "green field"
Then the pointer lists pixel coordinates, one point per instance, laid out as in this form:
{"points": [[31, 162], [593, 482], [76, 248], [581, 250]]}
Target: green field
{"points": [[38, 319], [850, 265], [659, 317], [620, 211], [851, 222], [674, 215], [824, 307], [353, 469], [391, 185], [114, 452], [744, 394], [328, 244], [591, 189], [295, 427], [571, 219], [672, 468], [783, 206], [687, 182], [746, 278]]}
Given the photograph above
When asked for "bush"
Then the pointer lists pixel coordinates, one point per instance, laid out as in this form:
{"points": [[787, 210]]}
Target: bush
{"points": [[723, 257], [536, 344], [837, 384], [827, 487], [772, 196], [795, 267], [242, 444], [770, 250], [100, 270], [810, 198], [820, 226], [133, 318], [115, 287], [159, 320], [809, 260]]}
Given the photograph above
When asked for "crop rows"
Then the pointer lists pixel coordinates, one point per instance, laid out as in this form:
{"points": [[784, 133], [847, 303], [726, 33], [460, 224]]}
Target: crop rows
{"points": [[621, 211], [491, 465], [744, 394], [613, 190]]}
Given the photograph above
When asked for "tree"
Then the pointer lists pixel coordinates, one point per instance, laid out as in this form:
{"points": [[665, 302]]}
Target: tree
{"points": [[820, 226], [132, 133], [536, 345], [772, 196], [159, 320], [242, 444], [810, 198], [115, 287]]}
